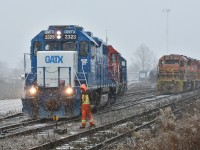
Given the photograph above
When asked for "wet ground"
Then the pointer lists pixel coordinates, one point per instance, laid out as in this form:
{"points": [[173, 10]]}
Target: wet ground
{"points": [[11, 105]]}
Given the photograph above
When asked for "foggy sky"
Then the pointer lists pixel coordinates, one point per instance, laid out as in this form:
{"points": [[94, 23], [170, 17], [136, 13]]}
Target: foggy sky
{"points": [[128, 23]]}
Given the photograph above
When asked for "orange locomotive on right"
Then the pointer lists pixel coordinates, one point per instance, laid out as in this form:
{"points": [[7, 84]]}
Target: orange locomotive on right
{"points": [[177, 73]]}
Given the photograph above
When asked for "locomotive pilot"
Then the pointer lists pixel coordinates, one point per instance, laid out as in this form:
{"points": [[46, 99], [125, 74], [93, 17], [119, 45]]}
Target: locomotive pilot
{"points": [[85, 108]]}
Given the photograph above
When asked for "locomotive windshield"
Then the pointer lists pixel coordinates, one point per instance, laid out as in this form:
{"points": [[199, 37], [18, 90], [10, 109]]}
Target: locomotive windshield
{"points": [[69, 46], [37, 46], [51, 46], [123, 63], [113, 58], [168, 62], [84, 48]]}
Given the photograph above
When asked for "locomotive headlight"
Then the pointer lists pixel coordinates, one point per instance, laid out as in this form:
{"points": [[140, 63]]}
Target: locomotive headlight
{"points": [[58, 34], [33, 90], [69, 91]]}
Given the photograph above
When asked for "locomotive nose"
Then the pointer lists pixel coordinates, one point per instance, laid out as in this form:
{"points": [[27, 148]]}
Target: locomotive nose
{"points": [[169, 87], [52, 105]]}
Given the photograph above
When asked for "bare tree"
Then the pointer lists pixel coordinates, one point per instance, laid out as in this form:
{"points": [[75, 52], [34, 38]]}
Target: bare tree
{"points": [[144, 59]]}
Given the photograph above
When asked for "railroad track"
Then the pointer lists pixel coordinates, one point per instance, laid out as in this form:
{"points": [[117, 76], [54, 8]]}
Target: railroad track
{"points": [[49, 128], [11, 116], [13, 119], [128, 133], [19, 128], [131, 103], [31, 126], [150, 114]]}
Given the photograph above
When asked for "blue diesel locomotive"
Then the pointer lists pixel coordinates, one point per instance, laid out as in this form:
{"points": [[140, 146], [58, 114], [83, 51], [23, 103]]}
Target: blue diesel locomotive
{"points": [[60, 60]]}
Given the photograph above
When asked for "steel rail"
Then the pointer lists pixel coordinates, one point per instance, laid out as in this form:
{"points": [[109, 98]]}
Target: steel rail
{"points": [[11, 116], [9, 127], [128, 133], [28, 131]]}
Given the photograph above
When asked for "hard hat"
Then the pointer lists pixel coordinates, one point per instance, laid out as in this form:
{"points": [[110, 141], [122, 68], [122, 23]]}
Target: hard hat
{"points": [[83, 86]]}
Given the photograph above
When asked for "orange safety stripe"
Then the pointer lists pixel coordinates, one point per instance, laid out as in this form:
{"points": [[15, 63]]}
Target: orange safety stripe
{"points": [[85, 99]]}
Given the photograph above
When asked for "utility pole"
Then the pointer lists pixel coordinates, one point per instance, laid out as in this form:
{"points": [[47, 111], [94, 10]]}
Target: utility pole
{"points": [[166, 11]]}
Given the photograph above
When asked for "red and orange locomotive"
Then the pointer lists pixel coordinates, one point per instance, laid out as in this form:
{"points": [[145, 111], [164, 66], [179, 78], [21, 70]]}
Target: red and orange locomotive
{"points": [[177, 73]]}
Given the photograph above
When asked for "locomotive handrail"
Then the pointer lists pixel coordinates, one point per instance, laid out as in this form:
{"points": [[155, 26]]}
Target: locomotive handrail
{"points": [[112, 73], [177, 75], [44, 83], [84, 75], [77, 77], [25, 61]]}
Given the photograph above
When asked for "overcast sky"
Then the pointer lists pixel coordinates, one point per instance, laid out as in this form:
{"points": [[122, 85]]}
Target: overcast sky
{"points": [[129, 23]]}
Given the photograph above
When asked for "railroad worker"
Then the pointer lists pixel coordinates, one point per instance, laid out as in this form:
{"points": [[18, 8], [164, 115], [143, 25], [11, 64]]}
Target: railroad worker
{"points": [[85, 108]]}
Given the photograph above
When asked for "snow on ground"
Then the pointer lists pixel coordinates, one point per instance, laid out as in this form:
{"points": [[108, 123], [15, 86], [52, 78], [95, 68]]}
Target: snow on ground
{"points": [[11, 105]]}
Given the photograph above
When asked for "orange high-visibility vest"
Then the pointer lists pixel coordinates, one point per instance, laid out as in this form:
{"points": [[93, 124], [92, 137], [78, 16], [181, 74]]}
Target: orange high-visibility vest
{"points": [[85, 99]]}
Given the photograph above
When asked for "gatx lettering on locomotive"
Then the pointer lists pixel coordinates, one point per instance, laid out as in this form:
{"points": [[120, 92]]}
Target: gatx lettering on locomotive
{"points": [[54, 59]]}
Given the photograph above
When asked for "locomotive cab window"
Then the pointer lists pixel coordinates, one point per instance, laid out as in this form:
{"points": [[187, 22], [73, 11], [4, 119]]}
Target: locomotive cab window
{"points": [[123, 63], [69, 46], [171, 62], [84, 46], [113, 58], [37, 46], [162, 62], [51, 46]]}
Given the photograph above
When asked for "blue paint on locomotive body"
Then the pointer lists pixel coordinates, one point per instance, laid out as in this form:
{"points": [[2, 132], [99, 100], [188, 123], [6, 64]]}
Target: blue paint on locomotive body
{"points": [[92, 70]]}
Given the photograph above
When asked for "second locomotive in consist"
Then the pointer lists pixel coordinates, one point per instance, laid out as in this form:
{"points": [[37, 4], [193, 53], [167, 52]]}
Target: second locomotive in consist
{"points": [[61, 59], [177, 73]]}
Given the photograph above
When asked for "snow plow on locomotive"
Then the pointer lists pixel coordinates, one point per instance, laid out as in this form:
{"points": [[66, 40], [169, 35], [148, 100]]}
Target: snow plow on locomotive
{"points": [[60, 60], [177, 73]]}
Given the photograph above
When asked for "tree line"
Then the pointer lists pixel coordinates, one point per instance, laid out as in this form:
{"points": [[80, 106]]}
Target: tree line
{"points": [[11, 86]]}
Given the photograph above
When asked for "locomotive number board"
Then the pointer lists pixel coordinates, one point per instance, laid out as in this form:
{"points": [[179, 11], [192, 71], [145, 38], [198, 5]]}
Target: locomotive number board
{"points": [[49, 36], [66, 36], [70, 36]]}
